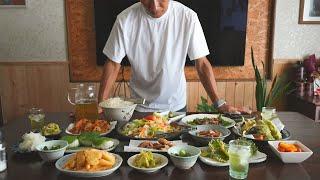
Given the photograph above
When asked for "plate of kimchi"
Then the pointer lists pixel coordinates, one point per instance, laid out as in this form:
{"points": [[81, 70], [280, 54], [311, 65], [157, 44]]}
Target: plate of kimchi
{"points": [[102, 127]]}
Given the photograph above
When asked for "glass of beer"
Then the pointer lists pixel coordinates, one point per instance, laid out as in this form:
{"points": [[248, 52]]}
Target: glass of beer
{"points": [[36, 117], [85, 101]]}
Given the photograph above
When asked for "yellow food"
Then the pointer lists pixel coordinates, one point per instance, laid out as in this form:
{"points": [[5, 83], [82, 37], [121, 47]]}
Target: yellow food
{"points": [[90, 160]]}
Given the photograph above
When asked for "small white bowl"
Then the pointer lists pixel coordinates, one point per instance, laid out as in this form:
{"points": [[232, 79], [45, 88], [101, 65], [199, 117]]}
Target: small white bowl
{"points": [[118, 113], [184, 162], [164, 162], [52, 155], [291, 157]]}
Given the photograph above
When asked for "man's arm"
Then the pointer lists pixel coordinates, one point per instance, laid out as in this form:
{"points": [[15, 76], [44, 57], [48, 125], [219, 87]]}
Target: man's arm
{"points": [[207, 78], [208, 81], [110, 73]]}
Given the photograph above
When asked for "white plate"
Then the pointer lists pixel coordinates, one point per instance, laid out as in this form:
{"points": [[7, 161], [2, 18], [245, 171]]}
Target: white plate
{"points": [[133, 146], [112, 126], [164, 162], [81, 148], [190, 118], [177, 115], [61, 162], [257, 158]]}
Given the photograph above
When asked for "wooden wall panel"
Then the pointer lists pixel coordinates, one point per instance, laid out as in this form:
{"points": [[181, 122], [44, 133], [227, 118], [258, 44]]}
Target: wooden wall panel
{"points": [[248, 95], [25, 85], [230, 92]]}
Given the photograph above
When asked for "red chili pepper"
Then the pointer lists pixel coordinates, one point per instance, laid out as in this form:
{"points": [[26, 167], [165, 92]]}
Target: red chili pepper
{"points": [[150, 117]]}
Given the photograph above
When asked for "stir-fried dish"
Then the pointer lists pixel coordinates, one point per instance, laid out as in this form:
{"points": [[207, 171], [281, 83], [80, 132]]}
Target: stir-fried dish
{"points": [[210, 121], [209, 133], [149, 127], [261, 130], [218, 150], [86, 125], [162, 144]]}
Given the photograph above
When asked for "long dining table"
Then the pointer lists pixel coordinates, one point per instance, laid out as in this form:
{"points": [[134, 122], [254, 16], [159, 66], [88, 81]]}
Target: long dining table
{"points": [[31, 167]]}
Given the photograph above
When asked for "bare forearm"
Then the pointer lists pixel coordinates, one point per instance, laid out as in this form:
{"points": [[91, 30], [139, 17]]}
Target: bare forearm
{"points": [[110, 73], [207, 78]]}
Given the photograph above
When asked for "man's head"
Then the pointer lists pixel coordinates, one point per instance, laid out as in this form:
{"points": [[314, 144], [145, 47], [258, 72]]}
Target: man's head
{"points": [[156, 8]]}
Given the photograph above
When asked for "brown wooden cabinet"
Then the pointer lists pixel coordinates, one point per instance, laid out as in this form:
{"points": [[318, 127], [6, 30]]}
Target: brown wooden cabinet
{"points": [[307, 105]]}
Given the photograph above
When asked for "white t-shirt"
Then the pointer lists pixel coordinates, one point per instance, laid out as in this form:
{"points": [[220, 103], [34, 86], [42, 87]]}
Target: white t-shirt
{"points": [[157, 49]]}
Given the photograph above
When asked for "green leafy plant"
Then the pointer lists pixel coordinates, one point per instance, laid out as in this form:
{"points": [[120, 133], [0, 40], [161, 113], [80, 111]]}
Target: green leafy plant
{"points": [[278, 87], [203, 106]]}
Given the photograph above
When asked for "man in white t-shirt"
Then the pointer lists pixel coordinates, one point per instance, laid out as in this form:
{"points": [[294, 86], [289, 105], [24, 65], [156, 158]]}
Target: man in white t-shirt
{"points": [[156, 36]]}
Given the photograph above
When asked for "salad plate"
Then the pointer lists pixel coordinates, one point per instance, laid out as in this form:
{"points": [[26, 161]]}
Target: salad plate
{"points": [[62, 161], [208, 119], [257, 158], [151, 127]]}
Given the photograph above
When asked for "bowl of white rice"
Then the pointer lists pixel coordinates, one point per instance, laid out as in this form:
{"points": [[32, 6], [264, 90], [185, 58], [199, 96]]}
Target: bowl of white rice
{"points": [[117, 109]]}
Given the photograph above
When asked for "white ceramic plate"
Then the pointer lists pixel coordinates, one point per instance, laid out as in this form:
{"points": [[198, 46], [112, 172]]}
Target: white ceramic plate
{"points": [[190, 118], [81, 148], [164, 162], [112, 126], [177, 115], [61, 162], [257, 158], [133, 146]]}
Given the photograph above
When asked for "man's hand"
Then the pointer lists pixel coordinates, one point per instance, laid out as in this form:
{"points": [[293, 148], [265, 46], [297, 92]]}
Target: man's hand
{"points": [[230, 109]]}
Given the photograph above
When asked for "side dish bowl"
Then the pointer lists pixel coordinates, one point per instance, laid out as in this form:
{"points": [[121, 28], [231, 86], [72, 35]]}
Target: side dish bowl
{"points": [[291, 157]]}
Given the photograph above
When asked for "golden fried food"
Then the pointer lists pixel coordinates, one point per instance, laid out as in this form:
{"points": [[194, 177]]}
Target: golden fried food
{"points": [[90, 160], [86, 125]]}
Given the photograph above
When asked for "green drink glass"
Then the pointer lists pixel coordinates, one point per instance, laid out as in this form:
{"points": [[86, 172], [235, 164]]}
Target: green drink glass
{"points": [[239, 155], [268, 113]]}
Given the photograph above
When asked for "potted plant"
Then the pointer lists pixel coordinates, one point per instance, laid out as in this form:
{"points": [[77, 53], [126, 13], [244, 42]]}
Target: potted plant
{"points": [[278, 88]]}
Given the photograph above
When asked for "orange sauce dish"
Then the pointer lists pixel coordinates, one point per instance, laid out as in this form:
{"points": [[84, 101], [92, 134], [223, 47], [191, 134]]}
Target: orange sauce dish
{"points": [[285, 147]]}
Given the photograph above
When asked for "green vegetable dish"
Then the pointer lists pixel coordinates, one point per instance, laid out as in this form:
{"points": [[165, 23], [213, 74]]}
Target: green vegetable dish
{"points": [[88, 139], [146, 160], [183, 153], [45, 148], [218, 150], [50, 129]]}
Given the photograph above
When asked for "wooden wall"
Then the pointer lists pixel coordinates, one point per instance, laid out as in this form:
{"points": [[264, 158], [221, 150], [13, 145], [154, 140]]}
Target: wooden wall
{"points": [[28, 84], [45, 84]]}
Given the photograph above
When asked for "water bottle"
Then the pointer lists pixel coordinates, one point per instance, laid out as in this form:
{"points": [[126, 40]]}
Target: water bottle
{"points": [[3, 160]]}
